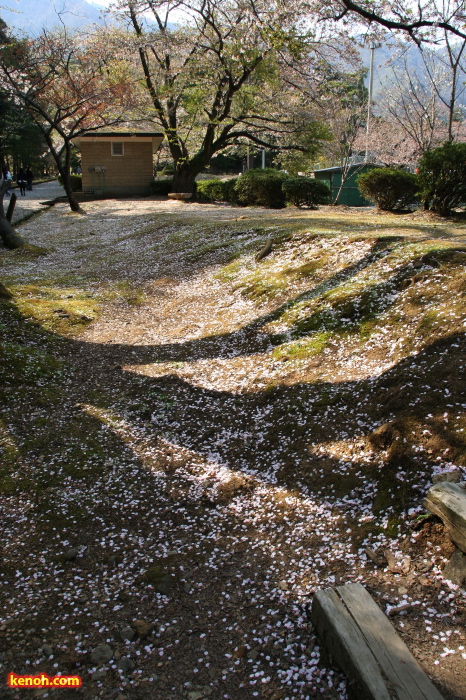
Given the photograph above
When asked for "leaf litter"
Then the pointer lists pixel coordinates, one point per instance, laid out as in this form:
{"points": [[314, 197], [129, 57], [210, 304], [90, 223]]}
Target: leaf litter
{"points": [[194, 442]]}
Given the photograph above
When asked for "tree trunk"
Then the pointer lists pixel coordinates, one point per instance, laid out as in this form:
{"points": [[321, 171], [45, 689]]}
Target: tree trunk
{"points": [[64, 170], [8, 235], [72, 201], [184, 179], [340, 190]]}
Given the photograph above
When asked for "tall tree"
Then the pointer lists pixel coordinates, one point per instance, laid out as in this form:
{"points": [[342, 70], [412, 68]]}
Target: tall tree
{"points": [[213, 72]]}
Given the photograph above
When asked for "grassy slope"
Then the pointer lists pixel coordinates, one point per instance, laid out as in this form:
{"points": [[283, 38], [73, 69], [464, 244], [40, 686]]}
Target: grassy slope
{"points": [[360, 324], [398, 300], [368, 329]]}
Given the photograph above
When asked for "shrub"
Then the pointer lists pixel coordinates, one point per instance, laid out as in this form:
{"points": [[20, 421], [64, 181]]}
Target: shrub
{"points": [[217, 190], [76, 182], [390, 189], [305, 191], [211, 190], [230, 191], [261, 188], [442, 178], [161, 187]]}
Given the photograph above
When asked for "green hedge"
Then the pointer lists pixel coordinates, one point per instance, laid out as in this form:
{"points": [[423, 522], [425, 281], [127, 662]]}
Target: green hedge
{"points": [[217, 190], [442, 178], [390, 189], [261, 188], [76, 182], [305, 191], [211, 190], [265, 188], [229, 190], [161, 187]]}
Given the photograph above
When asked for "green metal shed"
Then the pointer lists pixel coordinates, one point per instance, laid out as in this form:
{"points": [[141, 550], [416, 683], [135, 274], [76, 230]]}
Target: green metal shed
{"points": [[350, 195]]}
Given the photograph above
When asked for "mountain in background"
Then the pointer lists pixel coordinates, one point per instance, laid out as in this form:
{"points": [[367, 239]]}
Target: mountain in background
{"points": [[30, 16], [387, 56]]}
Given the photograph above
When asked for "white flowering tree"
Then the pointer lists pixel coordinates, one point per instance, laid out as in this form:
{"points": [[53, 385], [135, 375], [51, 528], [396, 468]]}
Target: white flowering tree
{"points": [[69, 83], [423, 21], [222, 72]]}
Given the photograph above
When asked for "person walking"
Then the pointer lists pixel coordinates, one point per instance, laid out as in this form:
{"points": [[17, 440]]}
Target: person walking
{"points": [[7, 176], [21, 180], [29, 178]]}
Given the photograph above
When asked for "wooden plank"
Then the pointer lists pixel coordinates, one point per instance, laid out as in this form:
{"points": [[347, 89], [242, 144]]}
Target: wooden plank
{"points": [[448, 501], [343, 640], [399, 667], [367, 648]]}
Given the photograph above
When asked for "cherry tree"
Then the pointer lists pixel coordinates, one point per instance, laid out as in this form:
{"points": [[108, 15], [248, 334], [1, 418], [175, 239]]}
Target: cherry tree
{"points": [[388, 144], [219, 74], [423, 21], [70, 84], [419, 105], [410, 101], [445, 70]]}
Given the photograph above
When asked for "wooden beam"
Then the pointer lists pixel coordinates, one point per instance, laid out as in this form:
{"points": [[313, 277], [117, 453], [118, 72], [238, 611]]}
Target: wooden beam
{"points": [[448, 501], [366, 646]]}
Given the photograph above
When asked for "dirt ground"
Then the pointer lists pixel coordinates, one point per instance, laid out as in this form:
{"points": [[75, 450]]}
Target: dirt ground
{"points": [[194, 442]]}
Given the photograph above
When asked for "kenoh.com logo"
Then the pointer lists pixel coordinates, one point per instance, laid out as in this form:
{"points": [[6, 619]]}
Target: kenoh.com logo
{"points": [[42, 680]]}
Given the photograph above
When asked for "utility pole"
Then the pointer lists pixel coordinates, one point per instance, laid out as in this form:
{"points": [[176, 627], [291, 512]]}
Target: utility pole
{"points": [[263, 158], [369, 103]]}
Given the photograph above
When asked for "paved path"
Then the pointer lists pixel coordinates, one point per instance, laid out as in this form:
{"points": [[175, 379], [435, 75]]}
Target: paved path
{"points": [[31, 202]]}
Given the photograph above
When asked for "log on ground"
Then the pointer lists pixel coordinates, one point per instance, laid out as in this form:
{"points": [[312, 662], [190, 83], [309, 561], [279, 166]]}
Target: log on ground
{"points": [[448, 502], [365, 645]]}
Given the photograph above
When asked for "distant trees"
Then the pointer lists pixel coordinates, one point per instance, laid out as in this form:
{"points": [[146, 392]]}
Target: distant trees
{"points": [[216, 75], [410, 101], [424, 101], [421, 107], [445, 71], [344, 97], [21, 141], [388, 144]]}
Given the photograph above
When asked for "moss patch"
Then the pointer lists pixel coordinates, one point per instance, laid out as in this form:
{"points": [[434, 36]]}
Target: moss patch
{"points": [[61, 310], [307, 347]]}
